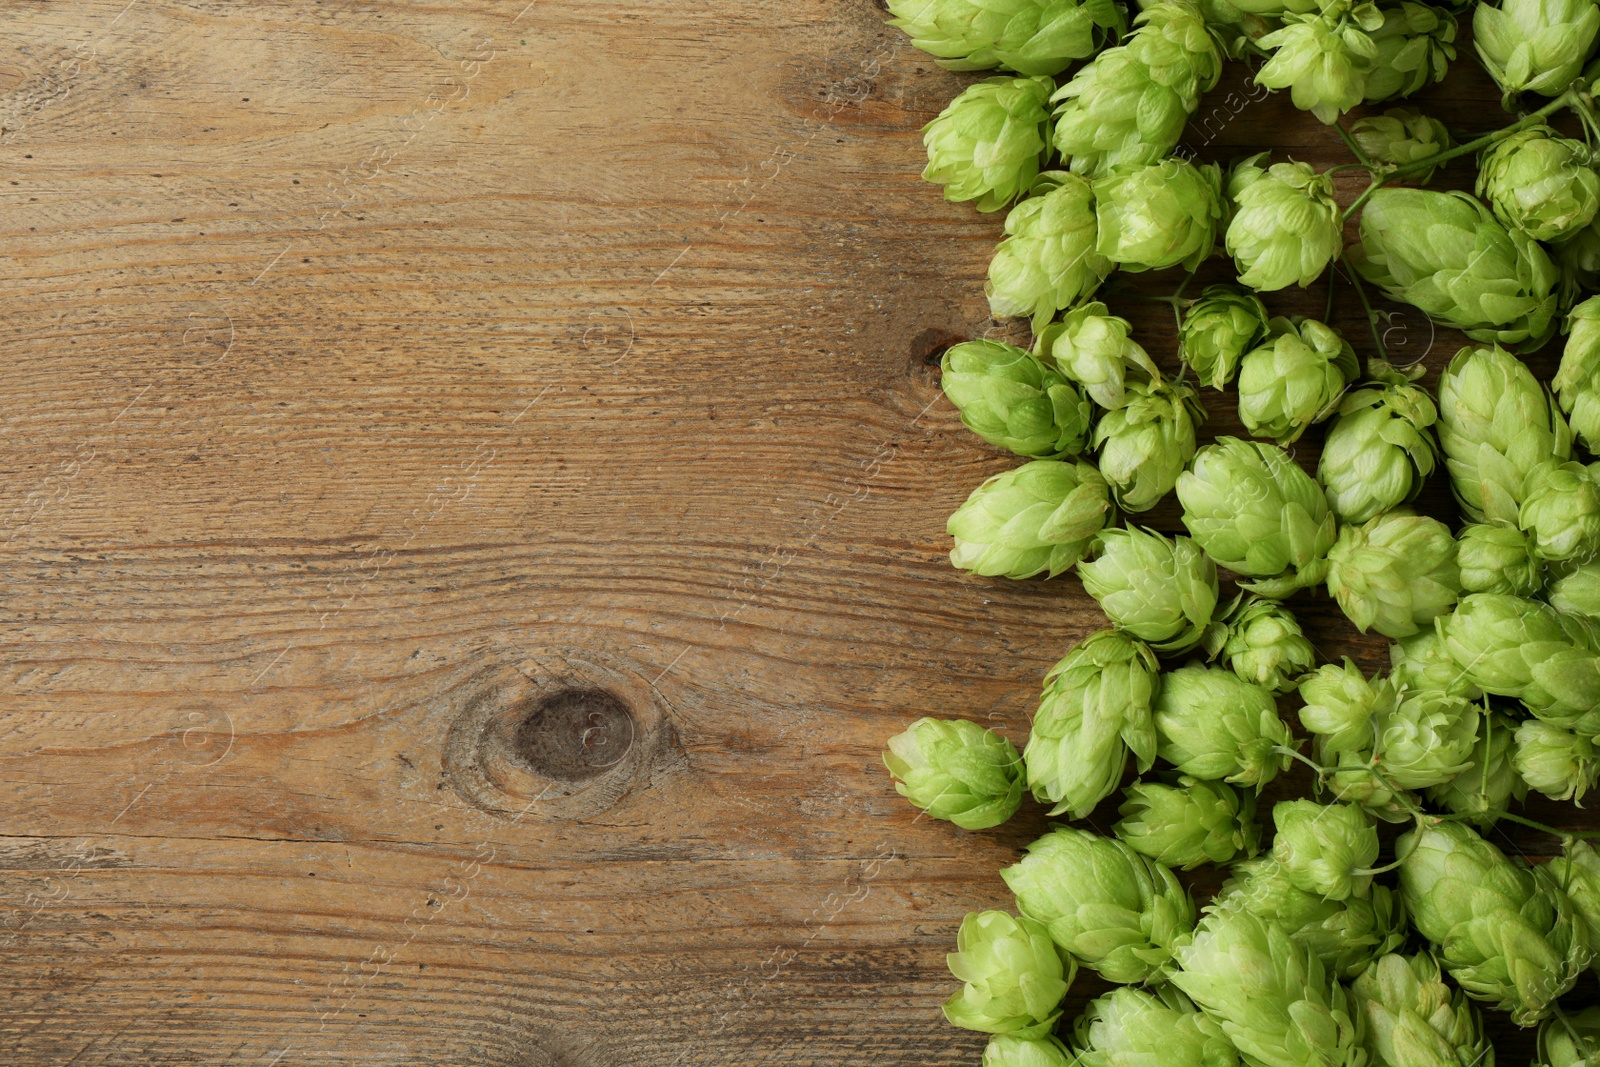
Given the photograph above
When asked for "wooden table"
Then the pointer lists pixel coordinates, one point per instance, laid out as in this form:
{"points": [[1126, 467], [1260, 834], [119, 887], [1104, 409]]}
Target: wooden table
{"points": [[473, 482]]}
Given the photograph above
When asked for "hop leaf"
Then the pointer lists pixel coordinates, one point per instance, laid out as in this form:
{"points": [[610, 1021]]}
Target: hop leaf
{"points": [[1094, 349], [1189, 823], [1286, 225], [1147, 442], [1414, 1019], [1041, 517], [1015, 978], [1214, 725], [1395, 573], [1535, 45], [1540, 183], [1218, 330], [1048, 262], [1010, 399], [1325, 849], [987, 145], [1158, 215], [956, 770], [1497, 559], [1127, 1027], [1027, 36], [1294, 380], [1577, 380], [1162, 591], [1401, 135]]}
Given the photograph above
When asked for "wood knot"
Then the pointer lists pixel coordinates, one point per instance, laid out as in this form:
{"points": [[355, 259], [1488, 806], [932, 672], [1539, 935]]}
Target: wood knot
{"points": [[573, 735]]}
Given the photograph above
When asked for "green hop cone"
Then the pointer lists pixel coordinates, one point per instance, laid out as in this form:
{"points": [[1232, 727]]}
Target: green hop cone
{"points": [[1027, 36], [1010, 399], [1322, 61], [1163, 591], [1578, 259], [1286, 225], [1146, 443], [1129, 1027], [1158, 215], [1041, 517], [1115, 911], [1556, 762], [1129, 105], [1379, 450], [1345, 935], [1507, 935], [1415, 46], [1401, 136], [987, 145], [1212, 724], [1394, 574], [1577, 379], [1513, 647], [1326, 849], [1561, 511], [1218, 330], [1096, 708], [1257, 513], [1535, 46], [1484, 791], [1414, 1019], [1094, 349], [1540, 183], [1188, 823], [1577, 592], [1263, 643], [1007, 1050], [1576, 872], [1015, 977], [1422, 661], [956, 770], [1447, 254], [1496, 424], [1340, 703], [1497, 559], [1048, 260], [1295, 379], [1570, 1042], [1419, 740], [1270, 994]]}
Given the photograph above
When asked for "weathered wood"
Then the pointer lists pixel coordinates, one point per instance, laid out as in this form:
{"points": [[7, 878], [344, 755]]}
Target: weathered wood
{"points": [[377, 374]]}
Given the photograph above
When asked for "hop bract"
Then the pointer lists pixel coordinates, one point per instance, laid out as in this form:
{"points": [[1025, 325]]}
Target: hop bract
{"points": [[1271, 994], [1535, 45], [1326, 849], [1007, 1050], [1577, 592], [1041, 517], [1422, 661], [1010, 399], [1558, 763], [1448, 255], [1096, 708], [1294, 380], [1497, 559], [1146, 443], [1401, 136], [1561, 511], [987, 145], [1015, 978], [1570, 1042], [1395, 573], [1286, 225], [1484, 791], [1162, 591], [1158, 215], [1322, 61], [1414, 1019], [1257, 513], [957, 770], [1115, 911], [1048, 260], [1507, 935], [1189, 823], [1415, 46], [1263, 643], [1576, 872], [1540, 183], [1379, 450], [1496, 424], [1127, 1027], [1218, 330], [1514, 647], [1094, 349], [1577, 380], [1027, 36], [1212, 724], [1340, 703]]}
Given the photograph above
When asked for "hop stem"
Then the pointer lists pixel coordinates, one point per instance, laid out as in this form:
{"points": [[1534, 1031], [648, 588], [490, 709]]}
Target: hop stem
{"points": [[1366, 306], [1586, 835], [1355, 149]]}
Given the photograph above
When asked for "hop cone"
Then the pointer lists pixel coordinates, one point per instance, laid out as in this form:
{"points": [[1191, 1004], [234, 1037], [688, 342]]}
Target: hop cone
{"points": [[1577, 380], [1297, 378], [1326, 849], [1339, 705], [1218, 330], [1015, 978], [1513, 647], [1212, 724], [1561, 511], [1540, 183], [1129, 1027], [1010, 399], [1497, 559], [1507, 935], [1096, 708], [1556, 762], [956, 770], [1422, 661], [1419, 740], [1158, 215], [1162, 591], [1257, 513], [1146, 443], [1048, 262], [1415, 46], [1496, 423], [1270, 994], [1027, 36], [1401, 136], [1187, 824], [1006, 1050], [1447, 254], [1414, 1019], [987, 145], [1535, 45], [1578, 591], [1115, 911], [1576, 872], [1286, 225], [1263, 643], [1129, 106], [1395, 573], [1322, 61], [1094, 349], [1570, 1042], [1041, 517], [1379, 450], [1484, 791]]}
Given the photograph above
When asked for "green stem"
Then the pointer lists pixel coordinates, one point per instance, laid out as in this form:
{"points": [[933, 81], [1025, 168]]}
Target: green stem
{"points": [[1521, 820], [1355, 149], [1366, 306], [1177, 312], [1285, 750]]}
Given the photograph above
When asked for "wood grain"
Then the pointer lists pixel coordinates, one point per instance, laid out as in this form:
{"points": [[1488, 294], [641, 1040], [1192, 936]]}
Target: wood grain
{"points": [[376, 374]]}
